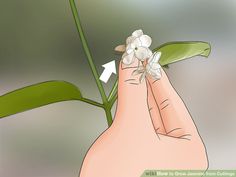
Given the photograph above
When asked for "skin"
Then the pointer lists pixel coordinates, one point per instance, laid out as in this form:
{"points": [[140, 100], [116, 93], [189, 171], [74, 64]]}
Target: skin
{"points": [[152, 129]]}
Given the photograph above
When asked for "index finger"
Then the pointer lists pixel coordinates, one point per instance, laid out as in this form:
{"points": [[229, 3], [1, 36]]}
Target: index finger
{"points": [[176, 118]]}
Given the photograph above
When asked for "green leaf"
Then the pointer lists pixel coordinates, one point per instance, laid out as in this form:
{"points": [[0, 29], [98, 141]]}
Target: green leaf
{"points": [[37, 95], [176, 51]]}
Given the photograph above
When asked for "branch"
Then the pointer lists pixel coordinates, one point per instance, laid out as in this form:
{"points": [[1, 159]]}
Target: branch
{"points": [[87, 51]]}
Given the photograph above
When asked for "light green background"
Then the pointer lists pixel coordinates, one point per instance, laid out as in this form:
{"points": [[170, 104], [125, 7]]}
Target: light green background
{"points": [[39, 42]]}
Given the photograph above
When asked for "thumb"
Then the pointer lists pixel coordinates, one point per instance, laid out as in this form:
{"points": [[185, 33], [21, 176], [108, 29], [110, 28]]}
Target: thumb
{"points": [[132, 94], [132, 113]]}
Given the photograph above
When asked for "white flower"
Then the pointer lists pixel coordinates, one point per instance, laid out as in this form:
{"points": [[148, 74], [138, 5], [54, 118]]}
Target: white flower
{"points": [[137, 47], [152, 68]]}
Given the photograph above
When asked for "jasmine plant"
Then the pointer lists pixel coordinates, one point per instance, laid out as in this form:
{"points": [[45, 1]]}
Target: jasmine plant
{"points": [[49, 92]]}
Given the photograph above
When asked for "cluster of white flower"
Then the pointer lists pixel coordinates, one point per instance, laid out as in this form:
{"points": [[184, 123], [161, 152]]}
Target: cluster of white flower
{"points": [[137, 47]]}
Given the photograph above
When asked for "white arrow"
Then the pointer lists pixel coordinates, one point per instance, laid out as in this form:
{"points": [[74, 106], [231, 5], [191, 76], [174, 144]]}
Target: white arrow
{"points": [[107, 72]]}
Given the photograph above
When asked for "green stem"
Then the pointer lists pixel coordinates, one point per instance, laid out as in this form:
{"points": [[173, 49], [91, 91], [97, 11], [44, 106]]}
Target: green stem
{"points": [[108, 115], [94, 103], [113, 94], [87, 51], [113, 99], [105, 105], [113, 90]]}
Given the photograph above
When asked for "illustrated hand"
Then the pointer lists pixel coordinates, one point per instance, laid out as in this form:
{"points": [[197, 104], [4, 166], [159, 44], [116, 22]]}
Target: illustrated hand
{"points": [[152, 129]]}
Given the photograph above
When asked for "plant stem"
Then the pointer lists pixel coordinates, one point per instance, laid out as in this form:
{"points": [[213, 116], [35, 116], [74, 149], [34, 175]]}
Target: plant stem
{"points": [[113, 99], [106, 106], [113, 90], [108, 115], [113, 94], [94, 103], [87, 51]]}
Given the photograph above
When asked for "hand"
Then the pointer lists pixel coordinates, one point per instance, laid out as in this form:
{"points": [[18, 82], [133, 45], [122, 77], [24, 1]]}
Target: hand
{"points": [[152, 129]]}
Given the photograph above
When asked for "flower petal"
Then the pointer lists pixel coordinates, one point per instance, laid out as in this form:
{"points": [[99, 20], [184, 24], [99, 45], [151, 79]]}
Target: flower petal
{"points": [[130, 39], [155, 57], [129, 49], [128, 58], [141, 53], [149, 53], [146, 40], [136, 43], [156, 74], [137, 33], [155, 66]]}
